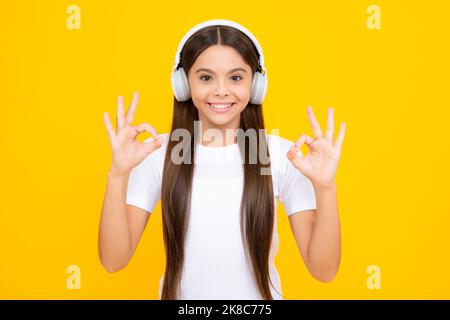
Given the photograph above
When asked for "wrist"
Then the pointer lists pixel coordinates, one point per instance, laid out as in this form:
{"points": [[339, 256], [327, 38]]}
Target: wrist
{"points": [[324, 187], [118, 174]]}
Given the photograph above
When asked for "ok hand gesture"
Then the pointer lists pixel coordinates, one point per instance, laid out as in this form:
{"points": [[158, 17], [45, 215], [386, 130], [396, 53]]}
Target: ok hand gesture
{"points": [[319, 165], [127, 152]]}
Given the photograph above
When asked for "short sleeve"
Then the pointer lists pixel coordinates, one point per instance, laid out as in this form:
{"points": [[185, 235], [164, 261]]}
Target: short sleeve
{"points": [[296, 192], [144, 183]]}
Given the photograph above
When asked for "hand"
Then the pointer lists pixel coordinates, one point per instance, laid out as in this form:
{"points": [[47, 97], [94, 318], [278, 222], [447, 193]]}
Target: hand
{"points": [[319, 165], [127, 152]]}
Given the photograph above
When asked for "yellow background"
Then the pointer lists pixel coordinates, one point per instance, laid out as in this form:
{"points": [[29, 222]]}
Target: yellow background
{"points": [[390, 86]]}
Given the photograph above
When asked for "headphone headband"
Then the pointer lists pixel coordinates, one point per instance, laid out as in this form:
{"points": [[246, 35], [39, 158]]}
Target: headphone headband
{"points": [[179, 80], [220, 22]]}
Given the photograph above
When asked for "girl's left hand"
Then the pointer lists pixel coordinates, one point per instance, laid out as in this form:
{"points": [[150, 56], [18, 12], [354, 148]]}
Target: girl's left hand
{"points": [[319, 165]]}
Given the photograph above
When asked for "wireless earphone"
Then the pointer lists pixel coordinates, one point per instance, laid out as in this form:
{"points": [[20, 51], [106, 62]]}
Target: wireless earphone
{"points": [[179, 81]]}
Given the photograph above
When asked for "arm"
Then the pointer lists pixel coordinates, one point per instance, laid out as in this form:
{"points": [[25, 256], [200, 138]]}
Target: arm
{"points": [[318, 235], [121, 225]]}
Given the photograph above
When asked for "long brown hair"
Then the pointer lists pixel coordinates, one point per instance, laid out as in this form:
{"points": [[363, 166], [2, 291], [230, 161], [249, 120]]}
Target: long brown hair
{"points": [[257, 205]]}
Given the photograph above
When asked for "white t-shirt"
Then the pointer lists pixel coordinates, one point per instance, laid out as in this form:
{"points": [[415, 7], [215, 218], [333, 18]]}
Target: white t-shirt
{"points": [[215, 266]]}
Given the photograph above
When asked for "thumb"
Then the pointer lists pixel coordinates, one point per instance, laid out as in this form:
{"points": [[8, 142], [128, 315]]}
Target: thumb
{"points": [[295, 153], [153, 145], [293, 156]]}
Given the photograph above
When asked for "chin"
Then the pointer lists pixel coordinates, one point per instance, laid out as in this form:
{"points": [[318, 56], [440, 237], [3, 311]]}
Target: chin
{"points": [[221, 119]]}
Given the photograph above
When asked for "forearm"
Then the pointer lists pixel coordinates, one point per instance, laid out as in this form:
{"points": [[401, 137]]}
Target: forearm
{"points": [[324, 250], [114, 234]]}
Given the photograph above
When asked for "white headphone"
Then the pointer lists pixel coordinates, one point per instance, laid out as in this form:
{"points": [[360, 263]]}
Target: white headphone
{"points": [[179, 81]]}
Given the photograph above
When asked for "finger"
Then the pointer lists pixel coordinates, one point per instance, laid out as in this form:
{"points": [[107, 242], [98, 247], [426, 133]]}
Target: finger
{"points": [[152, 146], [329, 134], [120, 120], [294, 157], [148, 128], [341, 135], [157, 140], [132, 109], [314, 124], [297, 146], [304, 139], [109, 127]]}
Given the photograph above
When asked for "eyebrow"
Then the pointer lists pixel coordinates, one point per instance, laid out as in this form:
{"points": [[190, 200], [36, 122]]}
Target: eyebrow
{"points": [[210, 71]]}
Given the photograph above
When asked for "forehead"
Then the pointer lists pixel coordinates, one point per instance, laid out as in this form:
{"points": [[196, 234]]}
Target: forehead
{"points": [[220, 58]]}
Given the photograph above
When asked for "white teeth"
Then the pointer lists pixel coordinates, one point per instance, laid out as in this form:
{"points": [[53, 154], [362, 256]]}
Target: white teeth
{"points": [[220, 106]]}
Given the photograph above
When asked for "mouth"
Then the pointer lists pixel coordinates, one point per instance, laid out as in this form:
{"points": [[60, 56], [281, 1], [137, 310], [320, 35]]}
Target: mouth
{"points": [[221, 107]]}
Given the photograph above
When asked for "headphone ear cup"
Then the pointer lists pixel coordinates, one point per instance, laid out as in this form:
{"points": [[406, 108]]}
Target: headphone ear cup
{"points": [[259, 88], [180, 85]]}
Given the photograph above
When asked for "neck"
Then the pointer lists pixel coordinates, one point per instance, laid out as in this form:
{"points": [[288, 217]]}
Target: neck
{"points": [[215, 136]]}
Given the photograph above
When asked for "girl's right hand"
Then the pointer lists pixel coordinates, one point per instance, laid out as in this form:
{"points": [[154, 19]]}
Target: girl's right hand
{"points": [[127, 152]]}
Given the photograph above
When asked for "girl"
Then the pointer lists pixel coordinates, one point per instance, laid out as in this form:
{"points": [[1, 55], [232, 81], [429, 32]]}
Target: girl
{"points": [[218, 203]]}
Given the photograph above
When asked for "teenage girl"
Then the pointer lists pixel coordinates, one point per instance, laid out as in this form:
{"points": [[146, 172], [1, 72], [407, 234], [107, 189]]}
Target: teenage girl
{"points": [[218, 203]]}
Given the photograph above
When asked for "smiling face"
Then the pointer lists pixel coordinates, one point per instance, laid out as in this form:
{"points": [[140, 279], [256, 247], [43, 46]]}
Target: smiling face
{"points": [[220, 83]]}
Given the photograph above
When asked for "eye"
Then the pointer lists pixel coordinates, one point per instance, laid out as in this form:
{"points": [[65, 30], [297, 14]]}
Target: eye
{"points": [[206, 78]]}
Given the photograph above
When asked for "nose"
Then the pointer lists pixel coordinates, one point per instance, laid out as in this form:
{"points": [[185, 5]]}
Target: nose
{"points": [[221, 89]]}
